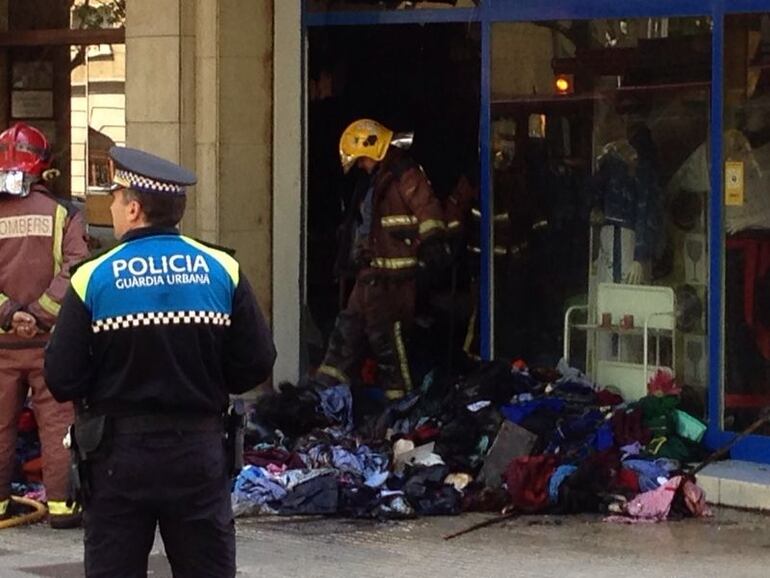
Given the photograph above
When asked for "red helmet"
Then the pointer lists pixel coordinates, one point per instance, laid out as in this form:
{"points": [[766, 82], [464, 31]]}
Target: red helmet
{"points": [[24, 148]]}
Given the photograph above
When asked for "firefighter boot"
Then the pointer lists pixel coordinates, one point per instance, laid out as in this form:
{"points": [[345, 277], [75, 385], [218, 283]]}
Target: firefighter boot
{"points": [[62, 516]]}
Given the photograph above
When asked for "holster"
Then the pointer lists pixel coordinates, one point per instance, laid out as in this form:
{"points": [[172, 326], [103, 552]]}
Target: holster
{"points": [[234, 436], [88, 438]]}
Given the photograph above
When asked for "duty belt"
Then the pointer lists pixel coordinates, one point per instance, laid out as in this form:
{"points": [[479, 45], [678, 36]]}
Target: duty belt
{"points": [[155, 423]]}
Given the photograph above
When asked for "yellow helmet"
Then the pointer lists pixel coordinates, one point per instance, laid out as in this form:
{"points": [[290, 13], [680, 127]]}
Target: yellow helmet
{"points": [[364, 138]]}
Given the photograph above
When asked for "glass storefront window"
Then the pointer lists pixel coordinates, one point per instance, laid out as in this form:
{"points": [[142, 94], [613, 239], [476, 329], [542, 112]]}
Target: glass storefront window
{"points": [[746, 170], [600, 180], [347, 5]]}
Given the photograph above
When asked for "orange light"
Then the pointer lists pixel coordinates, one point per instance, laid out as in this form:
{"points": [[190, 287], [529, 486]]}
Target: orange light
{"points": [[563, 84]]}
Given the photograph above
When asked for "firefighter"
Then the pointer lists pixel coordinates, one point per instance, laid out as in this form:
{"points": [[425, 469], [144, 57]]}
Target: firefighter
{"points": [[41, 237], [395, 231]]}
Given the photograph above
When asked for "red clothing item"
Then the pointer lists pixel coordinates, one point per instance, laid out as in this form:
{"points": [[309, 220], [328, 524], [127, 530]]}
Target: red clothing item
{"points": [[527, 478], [41, 237], [628, 480], [756, 264]]}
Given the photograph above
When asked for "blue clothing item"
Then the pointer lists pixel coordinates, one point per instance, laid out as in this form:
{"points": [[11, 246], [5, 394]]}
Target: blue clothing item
{"points": [[557, 478], [519, 411], [253, 486], [363, 462], [365, 225], [631, 201], [372, 467], [574, 386], [345, 461], [375, 466], [604, 439], [293, 478], [648, 472], [572, 375], [337, 404], [668, 464], [577, 433], [631, 450]]}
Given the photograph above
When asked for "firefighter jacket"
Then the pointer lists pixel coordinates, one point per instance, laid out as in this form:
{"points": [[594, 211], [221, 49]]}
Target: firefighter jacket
{"points": [[41, 237], [458, 205], [404, 212], [159, 324]]}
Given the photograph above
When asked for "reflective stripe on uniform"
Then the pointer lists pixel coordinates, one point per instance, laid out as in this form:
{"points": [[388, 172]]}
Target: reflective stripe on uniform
{"points": [[431, 224], [230, 265], [58, 238], [332, 371], [4, 506], [83, 275], [395, 263], [402, 358], [49, 305], [470, 334], [398, 221], [60, 508]]}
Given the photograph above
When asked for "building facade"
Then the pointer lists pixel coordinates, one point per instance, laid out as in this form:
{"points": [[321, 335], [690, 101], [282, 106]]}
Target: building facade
{"points": [[604, 142]]}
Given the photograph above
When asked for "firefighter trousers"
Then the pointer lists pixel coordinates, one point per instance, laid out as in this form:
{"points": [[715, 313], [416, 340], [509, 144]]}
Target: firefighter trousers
{"points": [[378, 312], [21, 370]]}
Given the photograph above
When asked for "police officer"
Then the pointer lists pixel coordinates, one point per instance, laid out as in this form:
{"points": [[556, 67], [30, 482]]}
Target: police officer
{"points": [[151, 339]]}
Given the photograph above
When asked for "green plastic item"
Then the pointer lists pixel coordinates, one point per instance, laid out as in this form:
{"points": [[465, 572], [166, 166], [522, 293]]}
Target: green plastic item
{"points": [[689, 427]]}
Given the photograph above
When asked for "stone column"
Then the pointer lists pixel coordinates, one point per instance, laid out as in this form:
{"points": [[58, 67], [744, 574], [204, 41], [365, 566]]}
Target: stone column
{"points": [[245, 66], [153, 76], [287, 196], [199, 91]]}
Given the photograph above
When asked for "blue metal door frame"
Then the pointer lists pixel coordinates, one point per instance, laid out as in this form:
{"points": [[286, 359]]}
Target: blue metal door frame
{"points": [[754, 448]]}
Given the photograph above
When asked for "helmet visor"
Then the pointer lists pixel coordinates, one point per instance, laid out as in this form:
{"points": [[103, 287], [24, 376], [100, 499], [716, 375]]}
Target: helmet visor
{"points": [[347, 161], [14, 183]]}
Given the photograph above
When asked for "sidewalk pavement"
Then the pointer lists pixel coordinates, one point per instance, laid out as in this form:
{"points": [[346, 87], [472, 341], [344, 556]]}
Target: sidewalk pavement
{"points": [[733, 543]]}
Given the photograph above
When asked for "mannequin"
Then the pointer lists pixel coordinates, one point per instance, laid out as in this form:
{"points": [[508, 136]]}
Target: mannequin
{"points": [[627, 211], [627, 208]]}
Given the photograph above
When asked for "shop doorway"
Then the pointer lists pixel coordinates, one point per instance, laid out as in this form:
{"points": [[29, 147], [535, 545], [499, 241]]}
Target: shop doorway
{"points": [[422, 81]]}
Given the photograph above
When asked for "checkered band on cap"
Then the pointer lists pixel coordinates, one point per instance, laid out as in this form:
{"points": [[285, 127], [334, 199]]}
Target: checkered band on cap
{"points": [[145, 184], [168, 318]]}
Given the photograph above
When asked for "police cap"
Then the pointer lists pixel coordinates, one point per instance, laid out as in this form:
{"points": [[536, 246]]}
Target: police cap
{"points": [[147, 173]]}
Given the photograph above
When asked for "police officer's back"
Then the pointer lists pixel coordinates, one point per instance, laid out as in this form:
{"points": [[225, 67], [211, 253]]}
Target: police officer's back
{"points": [[152, 338]]}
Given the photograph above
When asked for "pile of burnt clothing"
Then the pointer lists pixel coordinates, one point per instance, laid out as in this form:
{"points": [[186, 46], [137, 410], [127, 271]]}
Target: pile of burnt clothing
{"points": [[328, 472], [541, 440], [592, 452], [334, 469]]}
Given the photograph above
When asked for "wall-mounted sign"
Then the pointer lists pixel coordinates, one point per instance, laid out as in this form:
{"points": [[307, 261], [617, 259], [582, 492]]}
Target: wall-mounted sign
{"points": [[32, 104], [734, 185]]}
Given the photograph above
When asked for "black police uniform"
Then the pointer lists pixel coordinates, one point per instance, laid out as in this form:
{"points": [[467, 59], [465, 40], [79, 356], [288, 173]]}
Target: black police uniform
{"points": [[155, 334]]}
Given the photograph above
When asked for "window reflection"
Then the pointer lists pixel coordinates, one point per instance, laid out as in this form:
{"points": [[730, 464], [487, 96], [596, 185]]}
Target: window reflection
{"points": [[599, 139]]}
